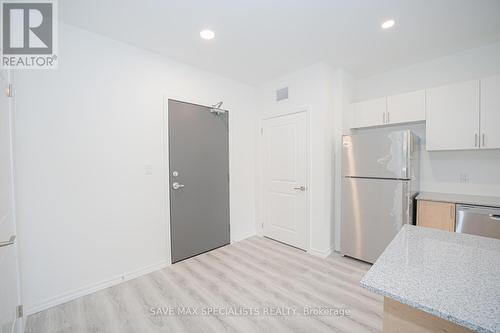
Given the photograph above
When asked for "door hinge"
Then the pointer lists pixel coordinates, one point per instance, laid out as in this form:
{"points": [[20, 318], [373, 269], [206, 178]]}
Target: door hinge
{"points": [[19, 311], [8, 91]]}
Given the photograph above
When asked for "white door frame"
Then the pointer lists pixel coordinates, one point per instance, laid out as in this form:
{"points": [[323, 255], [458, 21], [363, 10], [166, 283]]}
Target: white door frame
{"points": [[308, 170], [20, 322], [166, 162]]}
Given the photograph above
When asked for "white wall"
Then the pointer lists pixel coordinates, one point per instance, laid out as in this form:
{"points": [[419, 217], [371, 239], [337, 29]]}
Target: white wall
{"points": [[328, 94], [466, 65], [441, 171], [87, 213], [309, 89], [342, 92]]}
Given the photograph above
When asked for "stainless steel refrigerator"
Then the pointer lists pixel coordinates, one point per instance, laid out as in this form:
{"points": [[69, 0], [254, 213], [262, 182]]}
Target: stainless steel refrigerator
{"points": [[379, 183]]}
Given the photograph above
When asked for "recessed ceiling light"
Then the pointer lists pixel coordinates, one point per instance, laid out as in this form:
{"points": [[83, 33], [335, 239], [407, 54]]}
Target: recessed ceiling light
{"points": [[207, 34], [388, 24]]}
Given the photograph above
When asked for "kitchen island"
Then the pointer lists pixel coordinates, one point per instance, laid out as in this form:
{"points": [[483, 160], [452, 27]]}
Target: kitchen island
{"points": [[438, 281]]}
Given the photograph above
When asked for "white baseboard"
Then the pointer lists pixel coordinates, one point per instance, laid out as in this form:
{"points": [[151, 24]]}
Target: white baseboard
{"points": [[239, 238], [321, 254], [92, 288]]}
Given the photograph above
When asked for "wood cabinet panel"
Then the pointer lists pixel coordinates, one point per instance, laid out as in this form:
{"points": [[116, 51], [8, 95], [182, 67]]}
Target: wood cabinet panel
{"points": [[438, 215], [399, 318]]}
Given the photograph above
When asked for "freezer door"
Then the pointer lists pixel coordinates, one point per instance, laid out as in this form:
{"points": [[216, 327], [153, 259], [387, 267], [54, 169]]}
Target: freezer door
{"points": [[373, 211], [378, 155]]}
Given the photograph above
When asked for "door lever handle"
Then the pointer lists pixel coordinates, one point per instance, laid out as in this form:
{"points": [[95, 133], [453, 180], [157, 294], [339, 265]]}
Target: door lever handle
{"points": [[495, 217], [177, 186], [9, 242], [300, 188]]}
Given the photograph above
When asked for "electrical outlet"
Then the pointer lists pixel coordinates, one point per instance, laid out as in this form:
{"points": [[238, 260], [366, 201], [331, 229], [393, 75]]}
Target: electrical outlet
{"points": [[464, 178]]}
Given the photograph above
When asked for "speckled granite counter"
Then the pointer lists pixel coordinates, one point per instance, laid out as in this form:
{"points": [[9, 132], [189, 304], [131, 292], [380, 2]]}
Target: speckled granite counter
{"points": [[452, 276], [460, 198]]}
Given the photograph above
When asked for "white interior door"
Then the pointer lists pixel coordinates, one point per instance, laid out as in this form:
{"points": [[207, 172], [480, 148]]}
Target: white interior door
{"points": [[9, 286], [284, 176]]}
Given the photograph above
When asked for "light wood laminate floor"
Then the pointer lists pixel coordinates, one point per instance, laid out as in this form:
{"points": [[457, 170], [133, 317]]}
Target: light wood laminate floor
{"points": [[256, 273]]}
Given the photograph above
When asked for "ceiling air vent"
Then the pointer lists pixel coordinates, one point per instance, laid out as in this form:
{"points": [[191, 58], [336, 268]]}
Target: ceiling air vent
{"points": [[282, 94]]}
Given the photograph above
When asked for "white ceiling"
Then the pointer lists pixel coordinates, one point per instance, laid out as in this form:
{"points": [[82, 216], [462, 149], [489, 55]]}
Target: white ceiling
{"points": [[258, 40]]}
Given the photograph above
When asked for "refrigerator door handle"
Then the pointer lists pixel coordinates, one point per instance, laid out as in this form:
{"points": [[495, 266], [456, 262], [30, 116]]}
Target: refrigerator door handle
{"points": [[407, 155]]}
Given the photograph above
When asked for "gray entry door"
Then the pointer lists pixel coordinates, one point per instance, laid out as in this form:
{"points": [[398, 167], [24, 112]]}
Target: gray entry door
{"points": [[199, 179]]}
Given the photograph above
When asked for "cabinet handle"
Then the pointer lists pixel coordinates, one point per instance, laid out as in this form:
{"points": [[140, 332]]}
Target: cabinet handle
{"points": [[383, 118], [451, 212], [388, 117], [475, 140], [484, 145]]}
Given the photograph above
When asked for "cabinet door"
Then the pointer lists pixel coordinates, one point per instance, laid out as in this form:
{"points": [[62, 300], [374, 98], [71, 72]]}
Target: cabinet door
{"points": [[490, 112], [369, 113], [437, 215], [452, 114], [406, 108]]}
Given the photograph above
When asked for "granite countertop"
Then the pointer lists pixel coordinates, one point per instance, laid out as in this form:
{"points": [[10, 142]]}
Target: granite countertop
{"points": [[452, 276], [460, 198]]}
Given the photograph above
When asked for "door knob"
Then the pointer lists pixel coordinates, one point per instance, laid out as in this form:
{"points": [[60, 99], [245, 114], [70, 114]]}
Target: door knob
{"points": [[177, 186], [300, 188]]}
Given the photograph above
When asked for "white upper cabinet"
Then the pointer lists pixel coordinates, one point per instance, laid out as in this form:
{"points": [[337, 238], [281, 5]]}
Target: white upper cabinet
{"points": [[452, 114], [369, 113], [490, 112], [397, 109], [406, 108], [458, 116]]}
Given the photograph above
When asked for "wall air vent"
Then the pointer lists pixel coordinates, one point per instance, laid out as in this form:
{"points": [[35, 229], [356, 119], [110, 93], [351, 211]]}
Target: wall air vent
{"points": [[281, 94]]}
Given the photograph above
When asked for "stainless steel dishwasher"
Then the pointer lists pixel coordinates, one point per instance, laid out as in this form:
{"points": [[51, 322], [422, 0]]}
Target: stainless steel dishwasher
{"points": [[478, 220]]}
